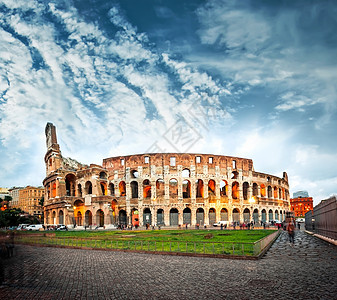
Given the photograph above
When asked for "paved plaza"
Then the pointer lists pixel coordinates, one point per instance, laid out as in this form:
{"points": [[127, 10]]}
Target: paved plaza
{"points": [[306, 271]]}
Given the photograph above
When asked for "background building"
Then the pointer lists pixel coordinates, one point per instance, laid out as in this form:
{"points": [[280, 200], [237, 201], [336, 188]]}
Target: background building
{"points": [[301, 204], [14, 193], [161, 188], [29, 198]]}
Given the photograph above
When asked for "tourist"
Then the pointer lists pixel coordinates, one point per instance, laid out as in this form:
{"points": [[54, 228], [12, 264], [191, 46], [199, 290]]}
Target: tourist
{"points": [[291, 232], [299, 225]]}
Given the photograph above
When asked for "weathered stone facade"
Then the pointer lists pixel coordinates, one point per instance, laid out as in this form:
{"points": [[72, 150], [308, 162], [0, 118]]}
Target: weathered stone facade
{"points": [[163, 188]]}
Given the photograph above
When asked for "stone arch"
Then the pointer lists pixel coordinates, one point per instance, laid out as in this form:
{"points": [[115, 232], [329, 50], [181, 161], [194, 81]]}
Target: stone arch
{"points": [[112, 189], [102, 175], [235, 190], [70, 180], [146, 189], [88, 188], [245, 188], [160, 217], [134, 189], [134, 173], [224, 214], [212, 216], [270, 215], [276, 215], [256, 216], [61, 217], [200, 216], [160, 188], [186, 173], [122, 217], [122, 189], [53, 215], [173, 186], [280, 193], [186, 189], [236, 215], [211, 187], [199, 186], [255, 189], [264, 216], [263, 190], [270, 191], [104, 189], [88, 218], [78, 218], [147, 216], [100, 218], [275, 192], [79, 190], [235, 175], [135, 217], [53, 190], [246, 215], [174, 217], [187, 216], [223, 188]]}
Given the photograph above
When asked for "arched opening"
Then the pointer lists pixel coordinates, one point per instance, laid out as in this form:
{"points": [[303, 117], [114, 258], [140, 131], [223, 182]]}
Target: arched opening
{"points": [[246, 215], [70, 184], [270, 215], [281, 216], [186, 189], [100, 218], [122, 189], [88, 218], [160, 216], [236, 215], [173, 185], [185, 173], [79, 190], [88, 188], [245, 190], [224, 214], [255, 189], [147, 216], [275, 192], [174, 217], [78, 218], [102, 175], [187, 216], [78, 211], [103, 188], [61, 218], [134, 189], [223, 188], [211, 216], [270, 191], [235, 175], [135, 217], [134, 174], [112, 189], [264, 216], [53, 190], [256, 216], [211, 187], [263, 190], [122, 217], [200, 216], [279, 193], [199, 184], [54, 217], [235, 190], [276, 215], [146, 189], [160, 188]]}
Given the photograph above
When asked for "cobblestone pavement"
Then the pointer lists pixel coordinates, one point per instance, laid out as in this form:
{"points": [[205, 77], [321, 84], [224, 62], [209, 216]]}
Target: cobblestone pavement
{"points": [[306, 271]]}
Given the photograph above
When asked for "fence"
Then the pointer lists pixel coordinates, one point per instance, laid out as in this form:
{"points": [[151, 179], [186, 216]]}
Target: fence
{"points": [[325, 215], [243, 249]]}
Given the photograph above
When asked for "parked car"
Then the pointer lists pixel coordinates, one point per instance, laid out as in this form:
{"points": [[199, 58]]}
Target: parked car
{"points": [[22, 226], [34, 227]]}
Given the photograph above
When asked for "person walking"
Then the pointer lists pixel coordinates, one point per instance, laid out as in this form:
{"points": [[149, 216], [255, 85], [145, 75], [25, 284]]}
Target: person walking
{"points": [[291, 232]]}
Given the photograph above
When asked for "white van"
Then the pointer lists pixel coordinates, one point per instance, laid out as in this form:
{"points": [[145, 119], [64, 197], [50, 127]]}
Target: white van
{"points": [[220, 222], [22, 227], [35, 227]]}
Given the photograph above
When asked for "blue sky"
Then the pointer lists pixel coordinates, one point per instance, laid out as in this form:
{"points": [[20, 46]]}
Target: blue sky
{"points": [[254, 79]]}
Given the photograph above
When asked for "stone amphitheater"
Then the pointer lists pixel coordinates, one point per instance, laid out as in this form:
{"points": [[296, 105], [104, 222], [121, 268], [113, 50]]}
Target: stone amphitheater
{"points": [[167, 189]]}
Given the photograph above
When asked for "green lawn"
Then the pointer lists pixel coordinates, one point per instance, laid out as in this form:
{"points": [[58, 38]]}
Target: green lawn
{"points": [[235, 242]]}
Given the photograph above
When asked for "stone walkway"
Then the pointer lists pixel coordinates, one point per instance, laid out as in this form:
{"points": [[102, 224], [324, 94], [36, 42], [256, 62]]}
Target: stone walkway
{"points": [[306, 271]]}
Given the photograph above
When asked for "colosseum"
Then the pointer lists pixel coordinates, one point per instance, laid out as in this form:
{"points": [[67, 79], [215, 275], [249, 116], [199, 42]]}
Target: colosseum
{"points": [[167, 189]]}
